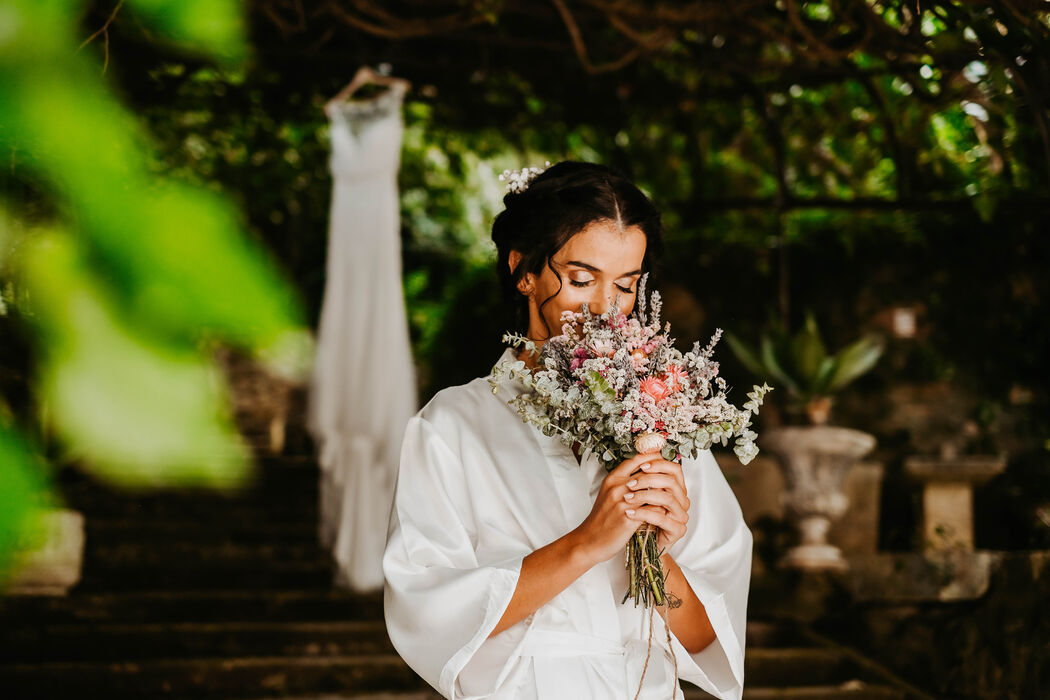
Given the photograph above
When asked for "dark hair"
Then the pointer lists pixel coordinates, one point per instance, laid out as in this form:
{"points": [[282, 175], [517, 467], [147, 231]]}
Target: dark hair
{"points": [[559, 203]]}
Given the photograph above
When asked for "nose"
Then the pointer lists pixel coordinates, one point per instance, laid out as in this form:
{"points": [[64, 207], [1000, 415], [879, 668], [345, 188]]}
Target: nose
{"points": [[601, 302]]}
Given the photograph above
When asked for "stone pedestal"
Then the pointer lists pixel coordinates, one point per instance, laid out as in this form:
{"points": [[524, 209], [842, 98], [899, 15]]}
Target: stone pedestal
{"points": [[947, 496], [50, 561], [815, 460], [759, 486]]}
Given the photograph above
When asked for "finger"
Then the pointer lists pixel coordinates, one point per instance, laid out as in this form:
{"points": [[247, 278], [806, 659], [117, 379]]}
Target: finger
{"points": [[654, 515], [662, 466], [631, 464], [653, 497], [658, 481]]}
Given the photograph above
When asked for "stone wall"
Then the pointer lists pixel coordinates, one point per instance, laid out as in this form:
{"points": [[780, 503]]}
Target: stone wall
{"points": [[995, 647]]}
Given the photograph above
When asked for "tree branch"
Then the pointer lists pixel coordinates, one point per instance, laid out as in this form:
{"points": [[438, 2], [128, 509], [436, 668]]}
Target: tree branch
{"points": [[104, 31]]}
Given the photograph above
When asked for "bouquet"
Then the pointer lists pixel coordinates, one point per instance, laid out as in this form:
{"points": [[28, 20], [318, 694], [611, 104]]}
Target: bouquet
{"points": [[617, 385]]}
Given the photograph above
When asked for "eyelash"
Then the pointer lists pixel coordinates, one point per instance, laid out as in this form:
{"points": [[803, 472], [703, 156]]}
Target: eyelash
{"points": [[586, 284]]}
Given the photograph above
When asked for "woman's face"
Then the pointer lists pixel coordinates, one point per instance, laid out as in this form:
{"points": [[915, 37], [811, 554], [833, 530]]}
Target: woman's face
{"points": [[595, 264]]}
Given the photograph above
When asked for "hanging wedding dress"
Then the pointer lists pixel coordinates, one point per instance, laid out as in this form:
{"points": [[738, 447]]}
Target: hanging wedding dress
{"points": [[363, 387]]}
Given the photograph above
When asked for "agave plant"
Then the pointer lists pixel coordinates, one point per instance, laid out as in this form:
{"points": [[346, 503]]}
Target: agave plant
{"points": [[801, 364]]}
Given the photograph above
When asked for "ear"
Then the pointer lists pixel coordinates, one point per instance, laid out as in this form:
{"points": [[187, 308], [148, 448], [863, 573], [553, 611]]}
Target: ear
{"points": [[524, 284]]}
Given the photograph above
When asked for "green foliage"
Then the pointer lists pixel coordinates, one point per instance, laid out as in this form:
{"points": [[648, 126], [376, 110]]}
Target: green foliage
{"points": [[696, 132], [801, 364], [130, 278], [22, 492]]}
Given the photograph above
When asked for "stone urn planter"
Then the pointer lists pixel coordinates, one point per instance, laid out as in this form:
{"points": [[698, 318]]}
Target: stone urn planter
{"points": [[49, 561], [815, 460]]}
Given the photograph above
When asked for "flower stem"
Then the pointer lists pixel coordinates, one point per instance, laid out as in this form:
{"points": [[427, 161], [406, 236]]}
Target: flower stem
{"points": [[646, 575]]}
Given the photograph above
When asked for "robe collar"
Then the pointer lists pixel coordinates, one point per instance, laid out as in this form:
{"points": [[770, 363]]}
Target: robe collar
{"points": [[560, 457]]}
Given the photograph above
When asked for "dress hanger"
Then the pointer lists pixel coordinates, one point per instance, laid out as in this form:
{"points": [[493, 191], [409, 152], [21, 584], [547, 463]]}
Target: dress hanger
{"points": [[364, 76]]}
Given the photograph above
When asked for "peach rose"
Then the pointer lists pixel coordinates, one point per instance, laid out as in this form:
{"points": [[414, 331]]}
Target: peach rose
{"points": [[654, 387]]}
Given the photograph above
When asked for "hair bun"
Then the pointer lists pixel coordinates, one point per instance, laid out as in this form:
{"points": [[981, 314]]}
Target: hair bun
{"points": [[510, 198]]}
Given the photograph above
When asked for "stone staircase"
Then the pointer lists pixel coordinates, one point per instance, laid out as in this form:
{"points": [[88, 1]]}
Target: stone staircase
{"points": [[198, 594]]}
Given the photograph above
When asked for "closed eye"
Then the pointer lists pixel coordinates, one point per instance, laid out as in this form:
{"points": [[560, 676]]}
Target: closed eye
{"points": [[574, 283]]}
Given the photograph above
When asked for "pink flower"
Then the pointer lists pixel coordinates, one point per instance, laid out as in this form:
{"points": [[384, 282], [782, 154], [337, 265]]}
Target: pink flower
{"points": [[674, 376], [654, 387]]}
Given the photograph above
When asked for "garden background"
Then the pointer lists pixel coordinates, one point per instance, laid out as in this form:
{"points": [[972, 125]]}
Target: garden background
{"points": [[839, 159]]}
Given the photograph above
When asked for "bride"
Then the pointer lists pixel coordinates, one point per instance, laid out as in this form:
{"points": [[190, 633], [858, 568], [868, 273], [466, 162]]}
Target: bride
{"points": [[504, 563]]}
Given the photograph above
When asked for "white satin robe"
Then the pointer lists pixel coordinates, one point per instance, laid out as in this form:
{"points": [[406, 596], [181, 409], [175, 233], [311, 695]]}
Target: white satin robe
{"points": [[477, 491]]}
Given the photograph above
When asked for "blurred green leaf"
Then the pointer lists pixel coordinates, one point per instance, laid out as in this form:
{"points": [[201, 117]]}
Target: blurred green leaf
{"points": [[807, 352], [177, 251], [746, 355], [213, 27], [22, 493], [854, 360], [773, 368], [138, 412], [823, 375]]}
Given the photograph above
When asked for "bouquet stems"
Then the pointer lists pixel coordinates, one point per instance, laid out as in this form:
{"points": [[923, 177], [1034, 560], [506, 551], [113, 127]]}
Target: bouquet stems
{"points": [[646, 573], [644, 568]]}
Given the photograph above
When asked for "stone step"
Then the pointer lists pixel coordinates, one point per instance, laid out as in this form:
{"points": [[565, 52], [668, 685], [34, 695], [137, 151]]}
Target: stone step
{"points": [[119, 531], [850, 690], [239, 677], [188, 606], [268, 480], [272, 485], [90, 496], [178, 554], [204, 509], [796, 666], [846, 691], [35, 643], [100, 577], [408, 695], [775, 633]]}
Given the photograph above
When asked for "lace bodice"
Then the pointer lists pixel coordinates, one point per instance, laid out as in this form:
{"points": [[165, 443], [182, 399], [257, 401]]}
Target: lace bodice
{"points": [[366, 135]]}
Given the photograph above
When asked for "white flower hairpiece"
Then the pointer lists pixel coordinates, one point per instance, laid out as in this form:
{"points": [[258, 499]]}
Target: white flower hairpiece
{"points": [[518, 180]]}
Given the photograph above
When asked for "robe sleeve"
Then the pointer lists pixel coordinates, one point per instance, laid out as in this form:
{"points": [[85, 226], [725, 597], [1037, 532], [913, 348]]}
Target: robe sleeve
{"points": [[715, 558], [441, 603]]}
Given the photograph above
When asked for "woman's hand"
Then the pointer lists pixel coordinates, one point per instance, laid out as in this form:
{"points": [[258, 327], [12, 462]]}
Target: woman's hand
{"points": [[658, 496], [630, 495]]}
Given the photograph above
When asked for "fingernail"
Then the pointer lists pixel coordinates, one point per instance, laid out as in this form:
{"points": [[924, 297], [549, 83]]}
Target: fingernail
{"points": [[646, 467], [632, 482], [629, 511], [628, 496]]}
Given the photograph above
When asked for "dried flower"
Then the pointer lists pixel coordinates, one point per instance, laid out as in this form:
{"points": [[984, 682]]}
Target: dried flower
{"points": [[618, 386], [613, 376], [655, 388]]}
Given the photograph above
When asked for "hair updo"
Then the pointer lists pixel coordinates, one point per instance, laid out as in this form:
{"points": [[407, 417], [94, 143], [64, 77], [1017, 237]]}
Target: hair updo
{"points": [[559, 203]]}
